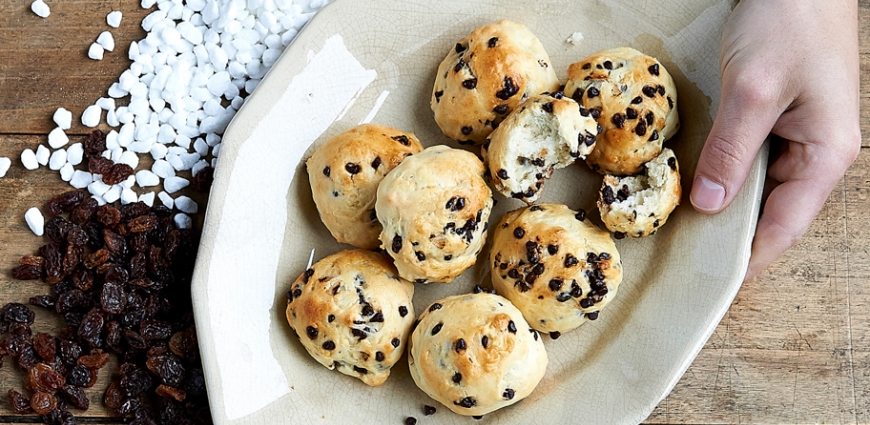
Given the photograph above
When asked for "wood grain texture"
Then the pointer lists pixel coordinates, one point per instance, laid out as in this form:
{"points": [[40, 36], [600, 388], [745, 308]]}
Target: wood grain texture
{"points": [[793, 348]]}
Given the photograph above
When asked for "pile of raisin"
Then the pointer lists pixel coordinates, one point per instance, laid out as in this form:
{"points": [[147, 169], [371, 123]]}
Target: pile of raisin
{"points": [[120, 277]]}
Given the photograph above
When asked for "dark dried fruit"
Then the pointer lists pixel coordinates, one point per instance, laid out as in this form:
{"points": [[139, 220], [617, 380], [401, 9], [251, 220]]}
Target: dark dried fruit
{"points": [[170, 392], [43, 377], [20, 404], [19, 313], [27, 272], [76, 396], [94, 361], [142, 223], [64, 202], [78, 376], [168, 368], [45, 345], [42, 402], [117, 173]]}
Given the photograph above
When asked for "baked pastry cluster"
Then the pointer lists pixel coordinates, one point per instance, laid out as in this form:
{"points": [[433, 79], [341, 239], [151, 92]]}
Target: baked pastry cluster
{"points": [[352, 312], [485, 76], [475, 353], [556, 266], [427, 213]]}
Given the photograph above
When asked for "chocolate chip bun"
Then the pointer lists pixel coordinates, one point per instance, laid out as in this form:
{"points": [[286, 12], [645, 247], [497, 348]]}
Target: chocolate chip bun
{"points": [[352, 312], [558, 268], [544, 134], [434, 208], [486, 76], [344, 174], [475, 354], [636, 206], [634, 99]]}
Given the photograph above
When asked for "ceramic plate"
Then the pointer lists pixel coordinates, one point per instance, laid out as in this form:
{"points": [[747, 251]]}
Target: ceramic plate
{"points": [[360, 61]]}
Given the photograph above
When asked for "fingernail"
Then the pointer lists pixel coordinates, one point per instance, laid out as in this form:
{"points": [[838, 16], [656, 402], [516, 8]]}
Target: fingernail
{"points": [[707, 195]]}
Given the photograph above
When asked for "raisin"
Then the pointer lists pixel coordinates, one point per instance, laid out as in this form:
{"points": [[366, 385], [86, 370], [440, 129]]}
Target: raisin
{"points": [[112, 298], [20, 404], [117, 173], [43, 377], [91, 327], [170, 392], [45, 345], [44, 301], [42, 402], [99, 165], [168, 368], [64, 202], [69, 352], [83, 212], [114, 396], [142, 223], [19, 313], [78, 376], [115, 243], [27, 272], [94, 361], [155, 330], [76, 396], [203, 179], [134, 380]]}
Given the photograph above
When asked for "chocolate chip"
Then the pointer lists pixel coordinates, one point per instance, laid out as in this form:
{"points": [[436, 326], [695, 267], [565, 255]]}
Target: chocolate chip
{"points": [[484, 341], [420, 280], [328, 345], [672, 162], [562, 297], [514, 274], [654, 69], [607, 195], [555, 285], [403, 311], [373, 216], [592, 316], [376, 163], [455, 204], [512, 328], [519, 232], [503, 174], [359, 333], [618, 235], [428, 410], [368, 310], [501, 109], [552, 249], [437, 329], [538, 162], [618, 120], [548, 107], [297, 293], [592, 92], [330, 318], [459, 65], [555, 335], [397, 244], [377, 318], [410, 420], [603, 256], [650, 118], [467, 130], [509, 89], [395, 342], [448, 257], [508, 394], [660, 89], [460, 345], [326, 171], [457, 378], [571, 261], [654, 136], [596, 113], [576, 292], [360, 370], [631, 113], [492, 42], [420, 256], [352, 168], [640, 130], [470, 83], [438, 95], [435, 306], [587, 65], [307, 275], [588, 140], [467, 402], [670, 103], [312, 332], [649, 91], [637, 100], [581, 215]]}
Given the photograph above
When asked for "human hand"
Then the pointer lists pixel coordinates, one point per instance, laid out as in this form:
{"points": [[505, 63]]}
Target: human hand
{"points": [[789, 67]]}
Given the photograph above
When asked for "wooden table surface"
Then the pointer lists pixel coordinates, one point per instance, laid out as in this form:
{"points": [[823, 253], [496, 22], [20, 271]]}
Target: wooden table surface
{"points": [[793, 348]]}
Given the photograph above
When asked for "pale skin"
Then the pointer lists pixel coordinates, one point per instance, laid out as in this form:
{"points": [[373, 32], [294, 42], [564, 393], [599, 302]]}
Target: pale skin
{"points": [[790, 68]]}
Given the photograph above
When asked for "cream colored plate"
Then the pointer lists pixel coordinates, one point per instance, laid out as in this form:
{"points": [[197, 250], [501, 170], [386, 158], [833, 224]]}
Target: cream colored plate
{"points": [[375, 60]]}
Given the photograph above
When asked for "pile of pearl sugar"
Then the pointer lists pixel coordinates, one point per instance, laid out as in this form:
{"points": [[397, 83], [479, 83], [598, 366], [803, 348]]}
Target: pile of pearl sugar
{"points": [[189, 76]]}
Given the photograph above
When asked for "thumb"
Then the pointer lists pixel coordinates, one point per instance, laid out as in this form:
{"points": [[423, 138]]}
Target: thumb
{"points": [[747, 112]]}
